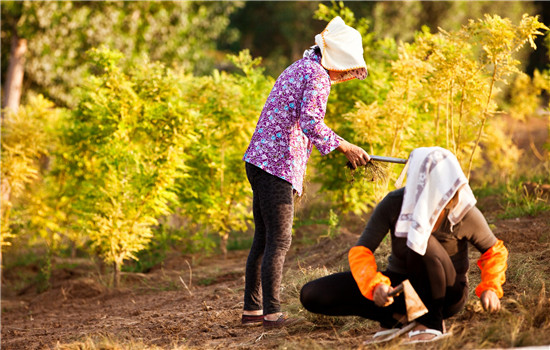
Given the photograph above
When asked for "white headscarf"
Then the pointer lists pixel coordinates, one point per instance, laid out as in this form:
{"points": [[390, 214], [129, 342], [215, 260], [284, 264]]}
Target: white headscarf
{"points": [[342, 50], [434, 176]]}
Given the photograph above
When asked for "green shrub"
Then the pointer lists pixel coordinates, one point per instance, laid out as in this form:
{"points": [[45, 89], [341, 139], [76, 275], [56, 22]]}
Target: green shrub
{"points": [[127, 143]]}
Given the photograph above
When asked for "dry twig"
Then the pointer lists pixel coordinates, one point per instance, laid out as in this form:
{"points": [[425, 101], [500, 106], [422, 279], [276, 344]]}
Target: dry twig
{"points": [[185, 285]]}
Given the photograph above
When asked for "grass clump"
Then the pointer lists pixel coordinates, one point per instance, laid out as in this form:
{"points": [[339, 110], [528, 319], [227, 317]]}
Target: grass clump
{"points": [[519, 197], [109, 342], [372, 171]]}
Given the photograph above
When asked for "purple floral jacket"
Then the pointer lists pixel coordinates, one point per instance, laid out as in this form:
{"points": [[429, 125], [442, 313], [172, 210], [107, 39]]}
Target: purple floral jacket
{"points": [[291, 122]]}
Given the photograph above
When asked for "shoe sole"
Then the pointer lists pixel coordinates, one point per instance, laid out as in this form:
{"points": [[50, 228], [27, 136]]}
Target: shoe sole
{"points": [[393, 335], [431, 340]]}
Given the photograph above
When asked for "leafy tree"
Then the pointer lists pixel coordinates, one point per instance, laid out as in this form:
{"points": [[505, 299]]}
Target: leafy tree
{"points": [[25, 141], [401, 19], [57, 33], [129, 139], [526, 94], [289, 28], [278, 31], [499, 39]]}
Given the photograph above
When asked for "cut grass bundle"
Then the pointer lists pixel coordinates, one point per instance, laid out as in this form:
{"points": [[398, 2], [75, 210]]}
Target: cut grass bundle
{"points": [[372, 171]]}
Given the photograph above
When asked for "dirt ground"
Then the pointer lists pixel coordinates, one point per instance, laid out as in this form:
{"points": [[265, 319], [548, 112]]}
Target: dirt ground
{"points": [[188, 302]]}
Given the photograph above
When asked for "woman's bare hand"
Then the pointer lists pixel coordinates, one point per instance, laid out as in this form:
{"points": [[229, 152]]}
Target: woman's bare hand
{"points": [[490, 301], [355, 154], [380, 295]]}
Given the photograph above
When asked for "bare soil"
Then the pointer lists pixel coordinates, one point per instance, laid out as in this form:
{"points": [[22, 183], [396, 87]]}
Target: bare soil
{"points": [[194, 303]]}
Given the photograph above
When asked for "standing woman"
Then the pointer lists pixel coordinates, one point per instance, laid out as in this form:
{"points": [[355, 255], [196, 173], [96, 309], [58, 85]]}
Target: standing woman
{"points": [[290, 124]]}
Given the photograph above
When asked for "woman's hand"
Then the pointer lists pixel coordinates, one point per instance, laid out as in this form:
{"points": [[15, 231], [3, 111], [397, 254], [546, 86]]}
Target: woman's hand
{"points": [[490, 301], [380, 295], [355, 154]]}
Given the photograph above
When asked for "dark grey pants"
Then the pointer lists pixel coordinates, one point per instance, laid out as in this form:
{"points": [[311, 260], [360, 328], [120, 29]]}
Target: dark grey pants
{"points": [[273, 209]]}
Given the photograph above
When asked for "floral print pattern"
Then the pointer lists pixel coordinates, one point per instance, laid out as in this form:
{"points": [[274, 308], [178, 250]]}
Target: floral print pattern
{"points": [[292, 121]]}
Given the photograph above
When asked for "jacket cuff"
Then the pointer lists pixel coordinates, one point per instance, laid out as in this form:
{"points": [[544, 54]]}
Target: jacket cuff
{"points": [[365, 272], [493, 266]]}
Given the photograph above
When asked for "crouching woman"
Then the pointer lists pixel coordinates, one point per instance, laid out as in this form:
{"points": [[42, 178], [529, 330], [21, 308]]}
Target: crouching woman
{"points": [[431, 222]]}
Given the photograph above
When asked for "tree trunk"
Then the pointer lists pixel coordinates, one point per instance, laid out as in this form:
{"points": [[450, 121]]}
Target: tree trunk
{"points": [[223, 244], [14, 76], [73, 249], [116, 275]]}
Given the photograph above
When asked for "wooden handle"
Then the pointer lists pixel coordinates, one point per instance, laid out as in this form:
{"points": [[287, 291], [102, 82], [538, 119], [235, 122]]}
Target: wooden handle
{"points": [[396, 291]]}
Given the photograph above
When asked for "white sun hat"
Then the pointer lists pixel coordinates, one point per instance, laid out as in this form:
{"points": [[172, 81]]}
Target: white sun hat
{"points": [[342, 50]]}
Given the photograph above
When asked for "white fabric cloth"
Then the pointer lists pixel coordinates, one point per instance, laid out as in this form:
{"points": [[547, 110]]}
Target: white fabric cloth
{"points": [[342, 50], [433, 178]]}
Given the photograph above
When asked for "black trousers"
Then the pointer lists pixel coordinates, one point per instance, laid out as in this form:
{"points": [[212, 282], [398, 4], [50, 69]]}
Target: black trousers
{"points": [[432, 275], [273, 209]]}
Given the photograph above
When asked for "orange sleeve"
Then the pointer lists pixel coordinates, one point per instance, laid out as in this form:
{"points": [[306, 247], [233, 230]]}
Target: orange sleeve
{"points": [[364, 270], [493, 266]]}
